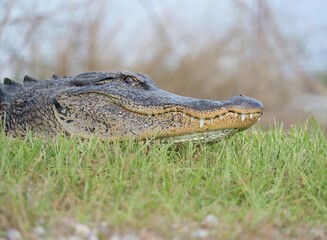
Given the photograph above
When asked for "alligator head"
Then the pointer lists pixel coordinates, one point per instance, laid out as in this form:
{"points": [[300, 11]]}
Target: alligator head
{"points": [[120, 105]]}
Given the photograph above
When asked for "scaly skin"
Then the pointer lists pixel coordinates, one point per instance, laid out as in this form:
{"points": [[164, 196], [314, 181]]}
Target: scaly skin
{"points": [[117, 106]]}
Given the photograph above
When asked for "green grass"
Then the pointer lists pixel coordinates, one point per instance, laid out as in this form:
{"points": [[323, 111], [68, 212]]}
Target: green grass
{"points": [[256, 183]]}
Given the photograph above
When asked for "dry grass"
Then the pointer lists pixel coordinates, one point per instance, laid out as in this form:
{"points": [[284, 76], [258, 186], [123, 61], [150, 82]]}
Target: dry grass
{"points": [[250, 57]]}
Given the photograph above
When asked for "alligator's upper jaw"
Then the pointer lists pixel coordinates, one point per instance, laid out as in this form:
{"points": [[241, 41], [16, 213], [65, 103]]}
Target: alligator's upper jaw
{"points": [[159, 102]]}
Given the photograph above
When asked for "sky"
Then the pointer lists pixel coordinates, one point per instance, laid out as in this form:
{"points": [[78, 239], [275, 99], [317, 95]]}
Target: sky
{"points": [[306, 22]]}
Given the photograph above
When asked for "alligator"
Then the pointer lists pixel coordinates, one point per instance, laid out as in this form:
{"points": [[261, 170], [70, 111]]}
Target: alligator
{"points": [[117, 106]]}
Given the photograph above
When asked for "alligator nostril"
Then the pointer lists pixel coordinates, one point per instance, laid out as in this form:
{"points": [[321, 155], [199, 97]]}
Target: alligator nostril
{"points": [[62, 110], [57, 105]]}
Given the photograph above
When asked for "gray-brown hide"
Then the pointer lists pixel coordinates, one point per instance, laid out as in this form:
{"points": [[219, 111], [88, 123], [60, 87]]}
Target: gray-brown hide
{"points": [[119, 105]]}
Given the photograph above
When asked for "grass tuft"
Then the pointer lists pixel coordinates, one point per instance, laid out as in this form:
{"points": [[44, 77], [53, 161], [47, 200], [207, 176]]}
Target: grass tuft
{"points": [[255, 180]]}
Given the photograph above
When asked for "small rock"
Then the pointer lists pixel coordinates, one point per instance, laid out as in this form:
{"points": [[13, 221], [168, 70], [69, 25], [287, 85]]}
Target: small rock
{"points": [[130, 237], [14, 234], [210, 220], [317, 233], [176, 238], [125, 237], [39, 231], [104, 224], [93, 236], [82, 230], [74, 238], [200, 233], [115, 237], [175, 226]]}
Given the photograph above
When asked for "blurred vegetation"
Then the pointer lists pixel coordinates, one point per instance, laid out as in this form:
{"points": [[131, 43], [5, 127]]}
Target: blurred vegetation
{"points": [[250, 56], [323, 77]]}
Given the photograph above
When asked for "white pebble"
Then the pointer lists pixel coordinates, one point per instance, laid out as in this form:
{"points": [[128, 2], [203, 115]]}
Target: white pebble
{"points": [[126, 237], [93, 236], [74, 238], [39, 231], [210, 220], [82, 230], [115, 237], [131, 237], [200, 233], [14, 234], [317, 233]]}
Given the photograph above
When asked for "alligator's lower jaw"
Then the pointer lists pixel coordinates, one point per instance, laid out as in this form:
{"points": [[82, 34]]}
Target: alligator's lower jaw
{"points": [[202, 137]]}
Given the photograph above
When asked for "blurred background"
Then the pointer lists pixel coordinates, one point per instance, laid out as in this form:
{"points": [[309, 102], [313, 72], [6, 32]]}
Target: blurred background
{"points": [[272, 50]]}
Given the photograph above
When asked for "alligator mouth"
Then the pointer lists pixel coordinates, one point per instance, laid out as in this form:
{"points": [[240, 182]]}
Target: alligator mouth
{"points": [[232, 116], [242, 117], [196, 126], [193, 128]]}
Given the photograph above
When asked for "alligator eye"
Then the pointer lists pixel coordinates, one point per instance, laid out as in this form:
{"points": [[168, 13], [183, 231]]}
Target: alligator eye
{"points": [[130, 80], [136, 82]]}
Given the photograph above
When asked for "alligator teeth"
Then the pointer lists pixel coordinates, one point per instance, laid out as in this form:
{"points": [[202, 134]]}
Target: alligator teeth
{"points": [[221, 117], [201, 122]]}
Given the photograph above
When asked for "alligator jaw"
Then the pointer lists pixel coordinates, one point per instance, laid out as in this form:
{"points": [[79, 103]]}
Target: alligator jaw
{"points": [[207, 130]]}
